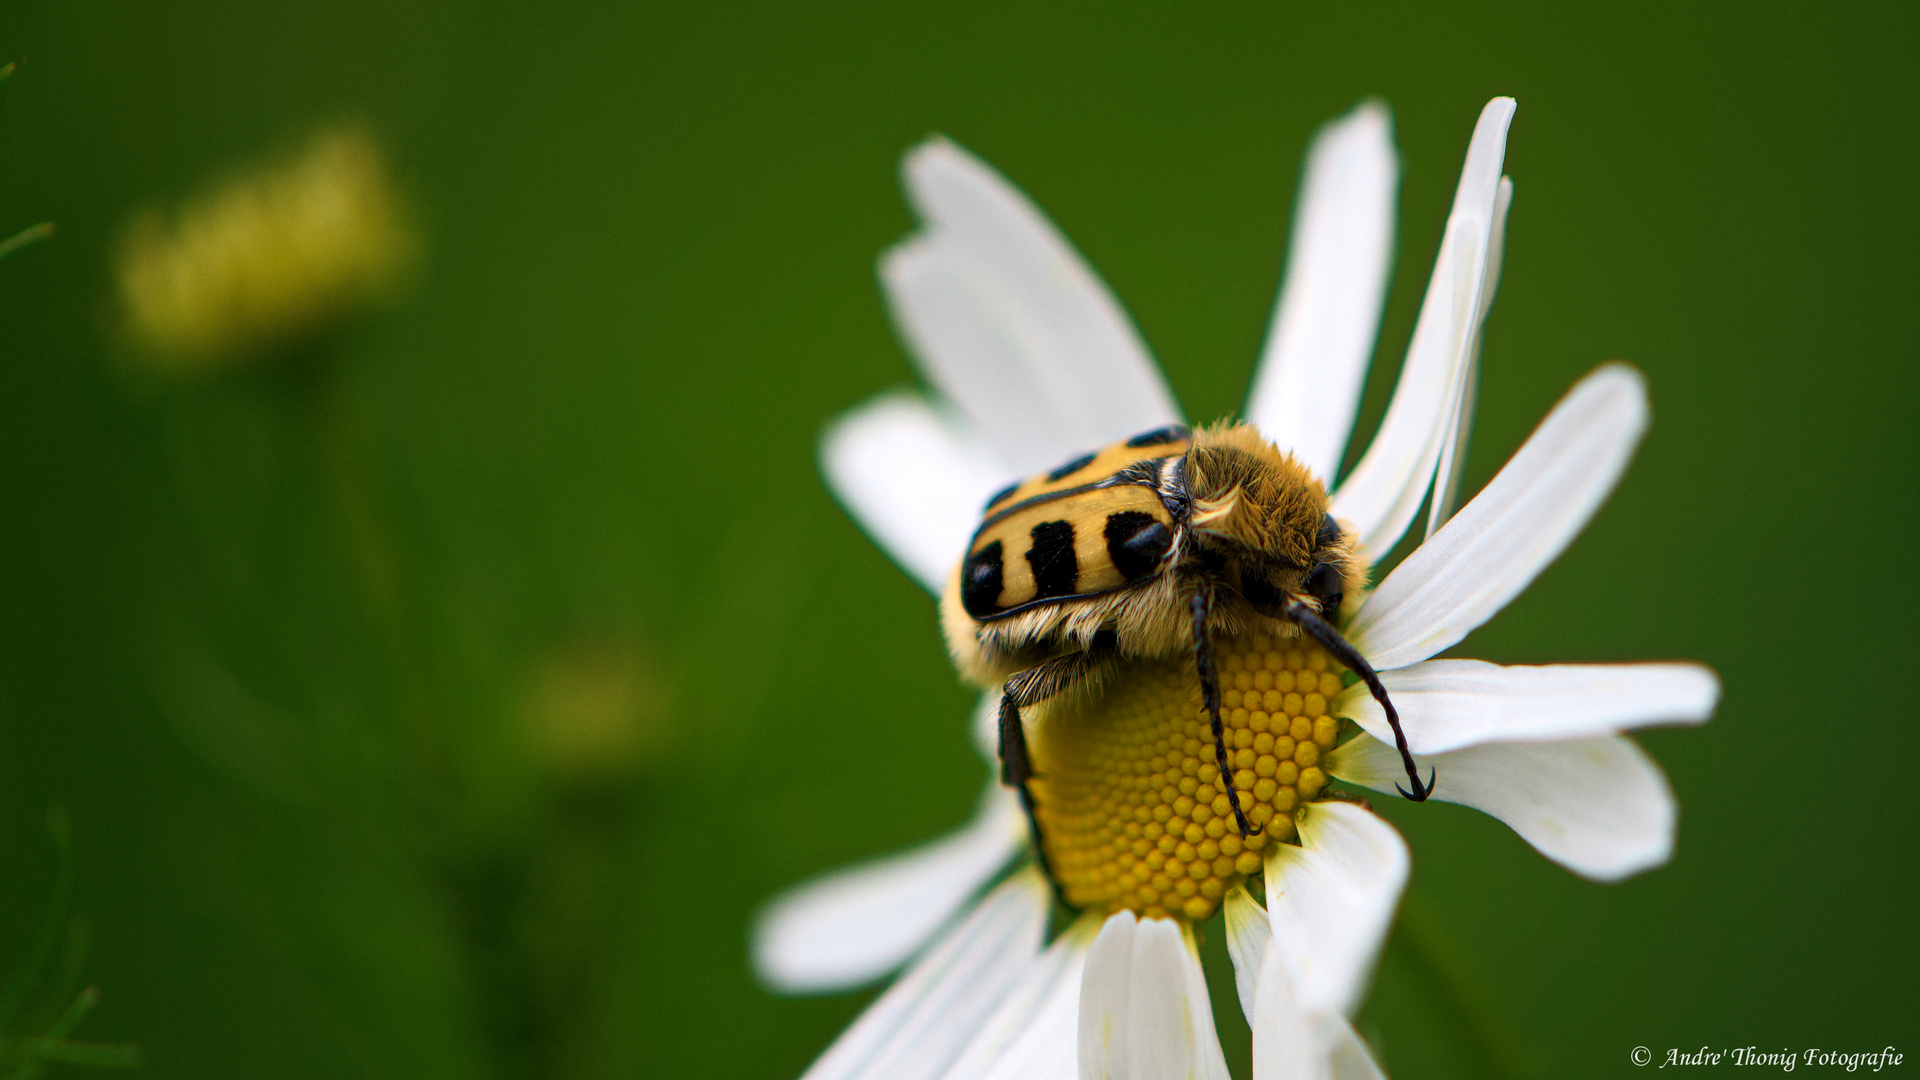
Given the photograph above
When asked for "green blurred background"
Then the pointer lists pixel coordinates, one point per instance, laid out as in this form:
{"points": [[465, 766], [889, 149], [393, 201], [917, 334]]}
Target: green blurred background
{"points": [[274, 638]]}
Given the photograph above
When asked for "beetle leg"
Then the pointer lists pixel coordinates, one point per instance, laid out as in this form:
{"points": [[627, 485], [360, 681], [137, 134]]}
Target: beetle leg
{"points": [[1016, 768], [1210, 697], [1030, 687]]}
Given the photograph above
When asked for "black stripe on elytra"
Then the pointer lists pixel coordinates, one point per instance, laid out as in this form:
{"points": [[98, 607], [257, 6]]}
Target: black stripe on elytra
{"points": [[1055, 568], [1070, 468], [1160, 436], [1000, 515], [1145, 471], [1136, 543], [1001, 496], [1044, 497], [1053, 601], [980, 581]]}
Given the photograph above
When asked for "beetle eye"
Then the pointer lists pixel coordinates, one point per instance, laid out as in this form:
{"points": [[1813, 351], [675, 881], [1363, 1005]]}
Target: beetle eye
{"points": [[1324, 581], [1329, 533]]}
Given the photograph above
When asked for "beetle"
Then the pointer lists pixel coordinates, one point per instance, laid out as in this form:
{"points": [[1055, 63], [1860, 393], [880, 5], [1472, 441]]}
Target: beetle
{"points": [[1147, 549]]}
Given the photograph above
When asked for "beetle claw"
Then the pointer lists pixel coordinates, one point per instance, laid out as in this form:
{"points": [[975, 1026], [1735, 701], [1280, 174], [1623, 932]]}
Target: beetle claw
{"points": [[1418, 794]]}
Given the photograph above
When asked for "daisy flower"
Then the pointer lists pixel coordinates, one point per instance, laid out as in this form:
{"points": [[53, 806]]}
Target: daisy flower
{"points": [[1032, 362]]}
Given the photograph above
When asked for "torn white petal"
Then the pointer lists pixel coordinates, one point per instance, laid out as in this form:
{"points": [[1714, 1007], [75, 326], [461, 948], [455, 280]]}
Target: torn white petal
{"points": [[1521, 521], [1447, 704], [919, 1026], [1347, 1057], [1458, 430], [1600, 807], [911, 480], [1283, 1043], [1385, 489], [1294, 1042], [1010, 323], [856, 925], [1331, 901], [1307, 387]]}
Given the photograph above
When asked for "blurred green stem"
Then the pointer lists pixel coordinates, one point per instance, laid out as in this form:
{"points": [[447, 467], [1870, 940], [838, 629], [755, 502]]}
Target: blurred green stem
{"points": [[50, 970], [531, 909], [371, 548], [25, 236], [33, 968]]}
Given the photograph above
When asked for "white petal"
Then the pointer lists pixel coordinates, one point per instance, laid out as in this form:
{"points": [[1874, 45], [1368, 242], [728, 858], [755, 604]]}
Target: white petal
{"points": [[1010, 323], [923, 1021], [1331, 901], [1249, 932], [1347, 1057], [856, 925], [911, 481], [1447, 704], [1314, 364], [1105, 987], [1205, 1059], [986, 729], [1035, 1034], [1599, 807], [1293, 1042], [1459, 428], [1171, 1029], [1283, 1043], [1386, 487], [1144, 1012], [1519, 523]]}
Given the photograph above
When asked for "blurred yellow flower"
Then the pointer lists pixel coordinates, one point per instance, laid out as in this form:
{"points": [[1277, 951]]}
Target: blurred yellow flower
{"points": [[269, 257], [594, 710]]}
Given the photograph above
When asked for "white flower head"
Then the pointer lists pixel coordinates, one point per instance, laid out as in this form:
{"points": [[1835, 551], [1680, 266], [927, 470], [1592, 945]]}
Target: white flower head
{"points": [[1032, 362]]}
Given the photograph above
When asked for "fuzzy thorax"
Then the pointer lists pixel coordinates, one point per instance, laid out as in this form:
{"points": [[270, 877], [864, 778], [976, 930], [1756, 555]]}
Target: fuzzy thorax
{"points": [[1248, 491], [1131, 805]]}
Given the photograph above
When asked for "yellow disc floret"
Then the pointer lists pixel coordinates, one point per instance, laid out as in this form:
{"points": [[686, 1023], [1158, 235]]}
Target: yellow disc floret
{"points": [[267, 259], [1128, 790]]}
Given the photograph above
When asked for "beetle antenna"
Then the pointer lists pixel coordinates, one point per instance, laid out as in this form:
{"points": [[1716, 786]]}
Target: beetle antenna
{"points": [[1329, 638], [1210, 696]]}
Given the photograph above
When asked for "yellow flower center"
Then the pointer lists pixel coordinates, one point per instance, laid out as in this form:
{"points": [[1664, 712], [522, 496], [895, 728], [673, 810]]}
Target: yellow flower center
{"points": [[1128, 793], [268, 258]]}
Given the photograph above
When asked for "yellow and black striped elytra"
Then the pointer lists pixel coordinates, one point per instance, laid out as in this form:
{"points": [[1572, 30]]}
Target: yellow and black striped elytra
{"points": [[1087, 469], [1057, 540], [1145, 549]]}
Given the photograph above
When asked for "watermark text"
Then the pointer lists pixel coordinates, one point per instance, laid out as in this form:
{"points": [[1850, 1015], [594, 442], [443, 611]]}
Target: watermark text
{"points": [[1785, 1059]]}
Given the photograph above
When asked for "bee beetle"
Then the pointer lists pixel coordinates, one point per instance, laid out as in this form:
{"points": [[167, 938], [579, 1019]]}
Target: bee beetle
{"points": [[1146, 549]]}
